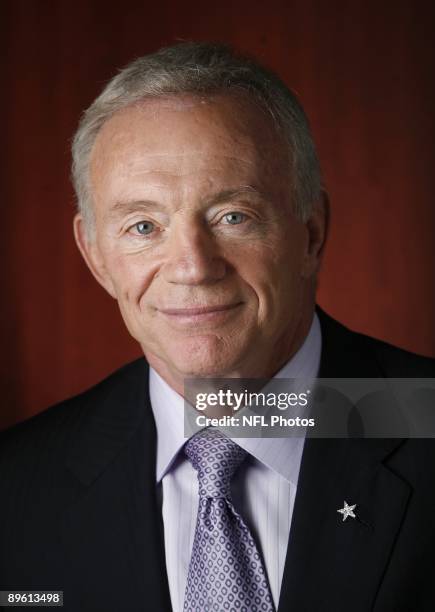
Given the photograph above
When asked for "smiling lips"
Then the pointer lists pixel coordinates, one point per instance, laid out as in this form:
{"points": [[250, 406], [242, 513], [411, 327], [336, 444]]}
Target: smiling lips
{"points": [[199, 314]]}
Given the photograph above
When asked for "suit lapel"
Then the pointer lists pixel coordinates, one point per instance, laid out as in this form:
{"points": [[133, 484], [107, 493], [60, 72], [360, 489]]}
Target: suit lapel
{"points": [[329, 561], [111, 529]]}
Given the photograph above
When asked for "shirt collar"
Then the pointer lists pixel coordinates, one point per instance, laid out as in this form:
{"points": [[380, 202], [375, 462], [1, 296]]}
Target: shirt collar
{"points": [[279, 454]]}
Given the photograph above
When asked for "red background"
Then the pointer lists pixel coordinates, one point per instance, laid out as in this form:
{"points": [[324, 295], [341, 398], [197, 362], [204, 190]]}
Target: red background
{"points": [[364, 71]]}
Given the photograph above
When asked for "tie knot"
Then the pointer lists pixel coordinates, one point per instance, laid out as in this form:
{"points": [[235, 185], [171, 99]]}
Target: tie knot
{"points": [[215, 457]]}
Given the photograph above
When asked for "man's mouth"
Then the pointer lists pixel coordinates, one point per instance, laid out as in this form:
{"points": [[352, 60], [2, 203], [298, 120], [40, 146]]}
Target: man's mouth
{"points": [[200, 314]]}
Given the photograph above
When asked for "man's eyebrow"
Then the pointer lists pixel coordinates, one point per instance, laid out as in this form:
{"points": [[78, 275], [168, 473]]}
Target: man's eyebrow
{"points": [[124, 208], [226, 195], [231, 194]]}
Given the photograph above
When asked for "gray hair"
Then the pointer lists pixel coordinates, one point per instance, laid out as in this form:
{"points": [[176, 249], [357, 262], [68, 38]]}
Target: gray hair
{"points": [[201, 69]]}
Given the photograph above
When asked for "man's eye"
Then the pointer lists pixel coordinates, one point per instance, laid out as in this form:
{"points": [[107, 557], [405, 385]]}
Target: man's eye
{"points": [[234, 218], [143, 227]]}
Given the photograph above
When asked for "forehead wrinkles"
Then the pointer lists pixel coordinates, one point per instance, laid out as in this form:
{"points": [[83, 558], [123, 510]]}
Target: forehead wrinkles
{"points": [[186, 165], [185, 189], [226, 119], [174, 170], [187, 142]]}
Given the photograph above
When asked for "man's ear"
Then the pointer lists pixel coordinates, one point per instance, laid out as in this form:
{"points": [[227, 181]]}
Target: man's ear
{"points": [[90, 251], [317, 232]]}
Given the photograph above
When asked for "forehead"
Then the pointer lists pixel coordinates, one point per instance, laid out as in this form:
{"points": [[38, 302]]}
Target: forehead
{"points": [[186, 136]]}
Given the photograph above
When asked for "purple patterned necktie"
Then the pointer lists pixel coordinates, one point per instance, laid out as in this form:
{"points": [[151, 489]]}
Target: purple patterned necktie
{"points": [[225, 571]]}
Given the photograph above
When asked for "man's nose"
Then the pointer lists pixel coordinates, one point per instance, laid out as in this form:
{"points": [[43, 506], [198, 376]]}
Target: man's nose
{"points": [[193, 256]]}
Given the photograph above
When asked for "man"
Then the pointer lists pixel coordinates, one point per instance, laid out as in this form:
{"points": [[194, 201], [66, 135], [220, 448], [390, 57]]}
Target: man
{"points": [[201, 211]]}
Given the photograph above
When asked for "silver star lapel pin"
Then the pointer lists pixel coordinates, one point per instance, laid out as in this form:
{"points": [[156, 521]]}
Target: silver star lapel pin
{"points": [[347, 511]]}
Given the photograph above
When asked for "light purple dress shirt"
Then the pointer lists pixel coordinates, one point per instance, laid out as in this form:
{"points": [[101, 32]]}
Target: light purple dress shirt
{"points": [[264, 487]]}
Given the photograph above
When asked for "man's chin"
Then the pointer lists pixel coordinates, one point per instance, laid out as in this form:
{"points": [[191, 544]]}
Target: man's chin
{"points": [[205, 368], [200, 361]]}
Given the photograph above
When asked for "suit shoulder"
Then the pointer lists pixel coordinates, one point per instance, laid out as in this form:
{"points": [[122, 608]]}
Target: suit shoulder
{"points": [[55, 426], [397, 362], [354, 352]]}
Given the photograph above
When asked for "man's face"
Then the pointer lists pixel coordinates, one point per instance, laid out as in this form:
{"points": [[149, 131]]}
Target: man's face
{"points": [[195, 236]]}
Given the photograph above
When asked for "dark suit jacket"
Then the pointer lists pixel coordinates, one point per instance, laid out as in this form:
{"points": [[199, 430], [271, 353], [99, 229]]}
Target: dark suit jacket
{"points": [[78, 507]]}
